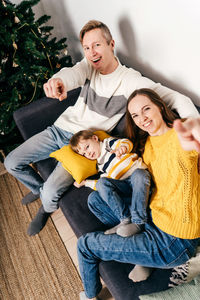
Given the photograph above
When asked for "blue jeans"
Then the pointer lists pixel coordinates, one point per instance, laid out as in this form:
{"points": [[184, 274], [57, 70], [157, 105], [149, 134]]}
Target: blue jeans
{"points": [[151, 248], [33, 150], [127, 198]]}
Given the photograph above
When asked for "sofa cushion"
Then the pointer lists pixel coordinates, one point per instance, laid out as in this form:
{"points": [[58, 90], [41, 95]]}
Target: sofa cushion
{"points": [[38, 115]]}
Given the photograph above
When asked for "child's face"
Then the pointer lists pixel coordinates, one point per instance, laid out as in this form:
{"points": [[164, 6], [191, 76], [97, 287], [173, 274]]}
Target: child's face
{"points": [[89, 148]]}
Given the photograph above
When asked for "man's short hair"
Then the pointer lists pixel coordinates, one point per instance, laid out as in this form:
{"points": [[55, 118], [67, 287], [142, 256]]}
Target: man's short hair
{"points": [[93, 24]]}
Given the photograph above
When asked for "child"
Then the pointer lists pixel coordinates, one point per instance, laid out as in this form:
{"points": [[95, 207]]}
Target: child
{"points": [[115, 161]]}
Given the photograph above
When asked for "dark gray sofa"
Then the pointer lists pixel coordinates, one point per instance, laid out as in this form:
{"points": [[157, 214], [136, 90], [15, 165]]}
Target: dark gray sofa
{"points": [[32, 119]]}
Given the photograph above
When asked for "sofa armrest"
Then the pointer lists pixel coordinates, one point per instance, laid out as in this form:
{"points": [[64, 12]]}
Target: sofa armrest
{"points": [[36, 116]]}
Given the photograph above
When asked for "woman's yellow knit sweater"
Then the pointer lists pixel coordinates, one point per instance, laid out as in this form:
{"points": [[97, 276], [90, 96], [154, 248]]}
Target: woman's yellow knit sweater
{"points": [[175, 203]]}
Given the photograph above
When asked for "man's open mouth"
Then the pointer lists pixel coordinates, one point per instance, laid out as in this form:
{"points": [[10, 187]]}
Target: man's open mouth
{"points": [[96, 60]]}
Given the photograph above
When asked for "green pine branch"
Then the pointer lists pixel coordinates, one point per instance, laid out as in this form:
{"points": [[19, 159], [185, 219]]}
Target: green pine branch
{"points": [[29, 56]]}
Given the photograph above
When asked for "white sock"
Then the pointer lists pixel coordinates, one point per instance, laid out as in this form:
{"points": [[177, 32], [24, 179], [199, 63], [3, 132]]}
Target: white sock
{"points": [[82, 296], [139, 273]]}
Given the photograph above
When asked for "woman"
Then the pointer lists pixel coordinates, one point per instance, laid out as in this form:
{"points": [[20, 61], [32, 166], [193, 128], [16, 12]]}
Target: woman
{"points": [[173, 228]]}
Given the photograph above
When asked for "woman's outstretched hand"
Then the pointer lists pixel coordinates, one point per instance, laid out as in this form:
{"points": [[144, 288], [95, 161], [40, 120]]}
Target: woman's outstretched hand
{"points": [[188, 133]]}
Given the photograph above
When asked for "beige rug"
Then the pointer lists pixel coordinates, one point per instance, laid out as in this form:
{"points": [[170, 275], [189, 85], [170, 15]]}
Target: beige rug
{"points": [[31, 268]]}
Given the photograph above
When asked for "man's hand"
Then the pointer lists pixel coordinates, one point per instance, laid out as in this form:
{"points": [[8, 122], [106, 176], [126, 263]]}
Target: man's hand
{"points": [[78, 185], [120, 151], [55, 88], [188, 133]]}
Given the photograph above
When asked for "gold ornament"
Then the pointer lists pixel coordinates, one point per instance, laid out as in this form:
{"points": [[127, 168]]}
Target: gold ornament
{"points": [[16, 19], [4, 60], [15, 65], [15, 45]]}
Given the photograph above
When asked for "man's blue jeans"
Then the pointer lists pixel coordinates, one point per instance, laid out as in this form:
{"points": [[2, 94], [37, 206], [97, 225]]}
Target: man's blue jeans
{"points": [[33, 150], [127, 198], [151, 248]]}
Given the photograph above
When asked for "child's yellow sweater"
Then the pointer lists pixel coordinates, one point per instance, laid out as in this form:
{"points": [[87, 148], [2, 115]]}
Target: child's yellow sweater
{"points": [[175, 203]]}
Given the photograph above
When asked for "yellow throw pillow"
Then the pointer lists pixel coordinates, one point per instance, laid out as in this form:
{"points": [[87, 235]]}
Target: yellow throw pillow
{"points": [[78, 166], [101, 135]]}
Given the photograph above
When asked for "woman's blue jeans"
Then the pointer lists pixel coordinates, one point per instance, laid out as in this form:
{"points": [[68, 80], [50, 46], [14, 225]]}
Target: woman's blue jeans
{"points": [[33, 150], [127, 198], [151, 248]]}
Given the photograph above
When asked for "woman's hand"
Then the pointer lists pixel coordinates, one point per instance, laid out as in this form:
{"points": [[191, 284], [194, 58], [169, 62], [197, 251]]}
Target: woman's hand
{"points": [[188, 133], [78, 185]]}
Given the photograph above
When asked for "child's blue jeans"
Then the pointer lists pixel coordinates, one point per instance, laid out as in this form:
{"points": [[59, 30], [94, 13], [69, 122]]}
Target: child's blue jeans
{"points": [[126, 198]]}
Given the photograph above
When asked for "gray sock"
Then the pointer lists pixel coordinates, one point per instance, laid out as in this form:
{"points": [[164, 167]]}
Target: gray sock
{"points": [[30, 197], [115, 228], [128, 229], [140, 273], [38, 222]]}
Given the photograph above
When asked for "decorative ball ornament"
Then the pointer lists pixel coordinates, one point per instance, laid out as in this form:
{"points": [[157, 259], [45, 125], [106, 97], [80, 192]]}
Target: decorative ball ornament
{"points": [[65, 51]]}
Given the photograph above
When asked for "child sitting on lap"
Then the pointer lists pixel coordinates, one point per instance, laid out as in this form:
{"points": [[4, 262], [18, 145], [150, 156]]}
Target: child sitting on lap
{"points": [[124, 181]]}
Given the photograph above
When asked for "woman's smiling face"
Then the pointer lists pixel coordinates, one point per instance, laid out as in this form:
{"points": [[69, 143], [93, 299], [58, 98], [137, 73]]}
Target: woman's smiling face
{"points": [[146, 115]]}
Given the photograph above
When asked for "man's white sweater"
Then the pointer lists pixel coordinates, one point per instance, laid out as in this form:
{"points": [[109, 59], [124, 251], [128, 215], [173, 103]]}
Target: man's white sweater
{"points": [[103, 98]]}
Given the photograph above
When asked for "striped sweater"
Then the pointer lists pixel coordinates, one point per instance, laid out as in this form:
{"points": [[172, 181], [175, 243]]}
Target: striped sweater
{"points": [[111, 166]]}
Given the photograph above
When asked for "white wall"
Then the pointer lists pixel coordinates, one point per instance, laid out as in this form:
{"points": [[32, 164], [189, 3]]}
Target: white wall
{"points": [[159, 38]]}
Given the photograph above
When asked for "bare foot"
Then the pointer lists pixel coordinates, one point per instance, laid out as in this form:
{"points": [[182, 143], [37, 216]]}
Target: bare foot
{"points": [[140, 273]]}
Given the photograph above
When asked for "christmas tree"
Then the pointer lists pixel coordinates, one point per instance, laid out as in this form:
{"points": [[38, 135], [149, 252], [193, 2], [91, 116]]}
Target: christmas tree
{"points": [[29, 56]]}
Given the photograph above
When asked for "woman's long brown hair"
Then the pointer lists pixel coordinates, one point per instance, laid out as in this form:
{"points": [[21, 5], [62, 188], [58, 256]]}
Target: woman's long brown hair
{"points": [[137, 135]]}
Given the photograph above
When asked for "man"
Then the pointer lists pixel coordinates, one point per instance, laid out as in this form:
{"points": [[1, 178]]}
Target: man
{"points": [[106, 86]]}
